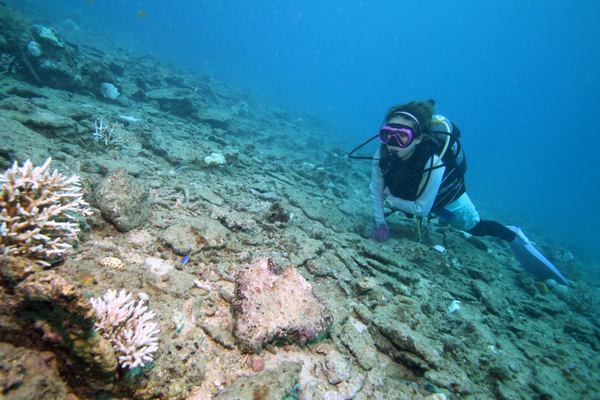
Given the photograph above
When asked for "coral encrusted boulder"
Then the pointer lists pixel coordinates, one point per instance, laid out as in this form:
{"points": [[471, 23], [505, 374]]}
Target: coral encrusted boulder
{"points": [[274, 303]]}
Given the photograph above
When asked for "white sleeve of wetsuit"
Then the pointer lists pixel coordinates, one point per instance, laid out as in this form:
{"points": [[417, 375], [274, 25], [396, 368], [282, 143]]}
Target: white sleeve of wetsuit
{"points": [[377, 186], [422, 206]]}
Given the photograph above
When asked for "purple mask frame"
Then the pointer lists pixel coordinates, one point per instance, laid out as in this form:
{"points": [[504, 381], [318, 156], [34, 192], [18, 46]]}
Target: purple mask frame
{"points": [[388, 132]]}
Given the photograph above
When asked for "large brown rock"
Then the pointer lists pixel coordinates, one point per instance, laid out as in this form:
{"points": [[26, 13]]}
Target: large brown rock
{"points": [[274, 303]]}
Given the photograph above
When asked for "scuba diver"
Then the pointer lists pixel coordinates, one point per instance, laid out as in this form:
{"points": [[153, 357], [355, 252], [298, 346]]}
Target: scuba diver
{"points": [[419, 169]]}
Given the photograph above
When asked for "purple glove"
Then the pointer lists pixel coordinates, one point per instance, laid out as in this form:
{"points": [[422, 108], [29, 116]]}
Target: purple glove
{"points": [[382, 233]]}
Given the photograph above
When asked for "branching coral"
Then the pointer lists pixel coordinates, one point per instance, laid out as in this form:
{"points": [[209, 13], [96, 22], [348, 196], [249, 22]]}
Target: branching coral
{"points": [[127, 326], [38, 211], [112, 135]]}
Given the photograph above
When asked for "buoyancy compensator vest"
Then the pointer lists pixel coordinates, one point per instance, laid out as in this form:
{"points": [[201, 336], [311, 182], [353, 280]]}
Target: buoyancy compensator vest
{"points": [[403, 177], [408, 178]]}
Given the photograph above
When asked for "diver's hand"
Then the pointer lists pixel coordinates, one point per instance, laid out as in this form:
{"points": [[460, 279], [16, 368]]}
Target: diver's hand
{"points": [[382, 233]]}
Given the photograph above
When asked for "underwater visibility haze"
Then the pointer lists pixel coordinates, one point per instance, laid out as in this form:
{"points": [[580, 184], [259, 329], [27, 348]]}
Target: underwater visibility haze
{"points": [[207, 237], [519, 78]]}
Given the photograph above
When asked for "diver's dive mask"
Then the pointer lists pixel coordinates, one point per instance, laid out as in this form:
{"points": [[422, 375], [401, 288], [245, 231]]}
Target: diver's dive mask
{"points": [[396, 135]]}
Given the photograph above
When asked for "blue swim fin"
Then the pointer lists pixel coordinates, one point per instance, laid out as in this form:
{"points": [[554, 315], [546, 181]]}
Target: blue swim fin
{"points": [[532, 260]]}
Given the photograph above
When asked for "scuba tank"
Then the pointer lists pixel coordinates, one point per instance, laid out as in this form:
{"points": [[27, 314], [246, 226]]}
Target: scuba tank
{"points": [[446, 138]]}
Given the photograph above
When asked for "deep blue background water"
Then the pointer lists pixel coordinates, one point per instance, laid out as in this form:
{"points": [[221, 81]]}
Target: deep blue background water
{"points": [[521, 79]]}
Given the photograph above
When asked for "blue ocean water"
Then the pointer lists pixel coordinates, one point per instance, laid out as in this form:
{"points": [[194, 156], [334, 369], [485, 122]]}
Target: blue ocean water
{"points": [[519, 77]]}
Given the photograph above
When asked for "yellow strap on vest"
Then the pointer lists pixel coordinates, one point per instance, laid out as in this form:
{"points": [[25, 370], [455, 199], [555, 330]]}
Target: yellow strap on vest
{"points": [[440, 121], [437, 162]]}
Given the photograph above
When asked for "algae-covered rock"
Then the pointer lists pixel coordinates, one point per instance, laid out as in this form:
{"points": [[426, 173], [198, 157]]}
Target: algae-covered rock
{"points": [[122, 201], [48, 289], [97, 354], [175, 101], [355, 336], [48, 123], [195, 234], [452, 378], [414, 346]]}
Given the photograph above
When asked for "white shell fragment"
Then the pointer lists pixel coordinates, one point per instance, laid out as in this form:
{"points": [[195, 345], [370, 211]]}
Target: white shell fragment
{"points": [[454, 306], [112, 262], [439, 248]]}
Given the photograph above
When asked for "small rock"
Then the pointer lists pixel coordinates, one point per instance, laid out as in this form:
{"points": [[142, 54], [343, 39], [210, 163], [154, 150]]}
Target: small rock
{"points": [[226, 294], [219, 335], [257, 363]]}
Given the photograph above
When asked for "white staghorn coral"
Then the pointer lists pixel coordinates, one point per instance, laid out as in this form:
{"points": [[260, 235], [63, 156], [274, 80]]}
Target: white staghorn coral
{"points": [[112, 135], [37, 212], [127, 326]]}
